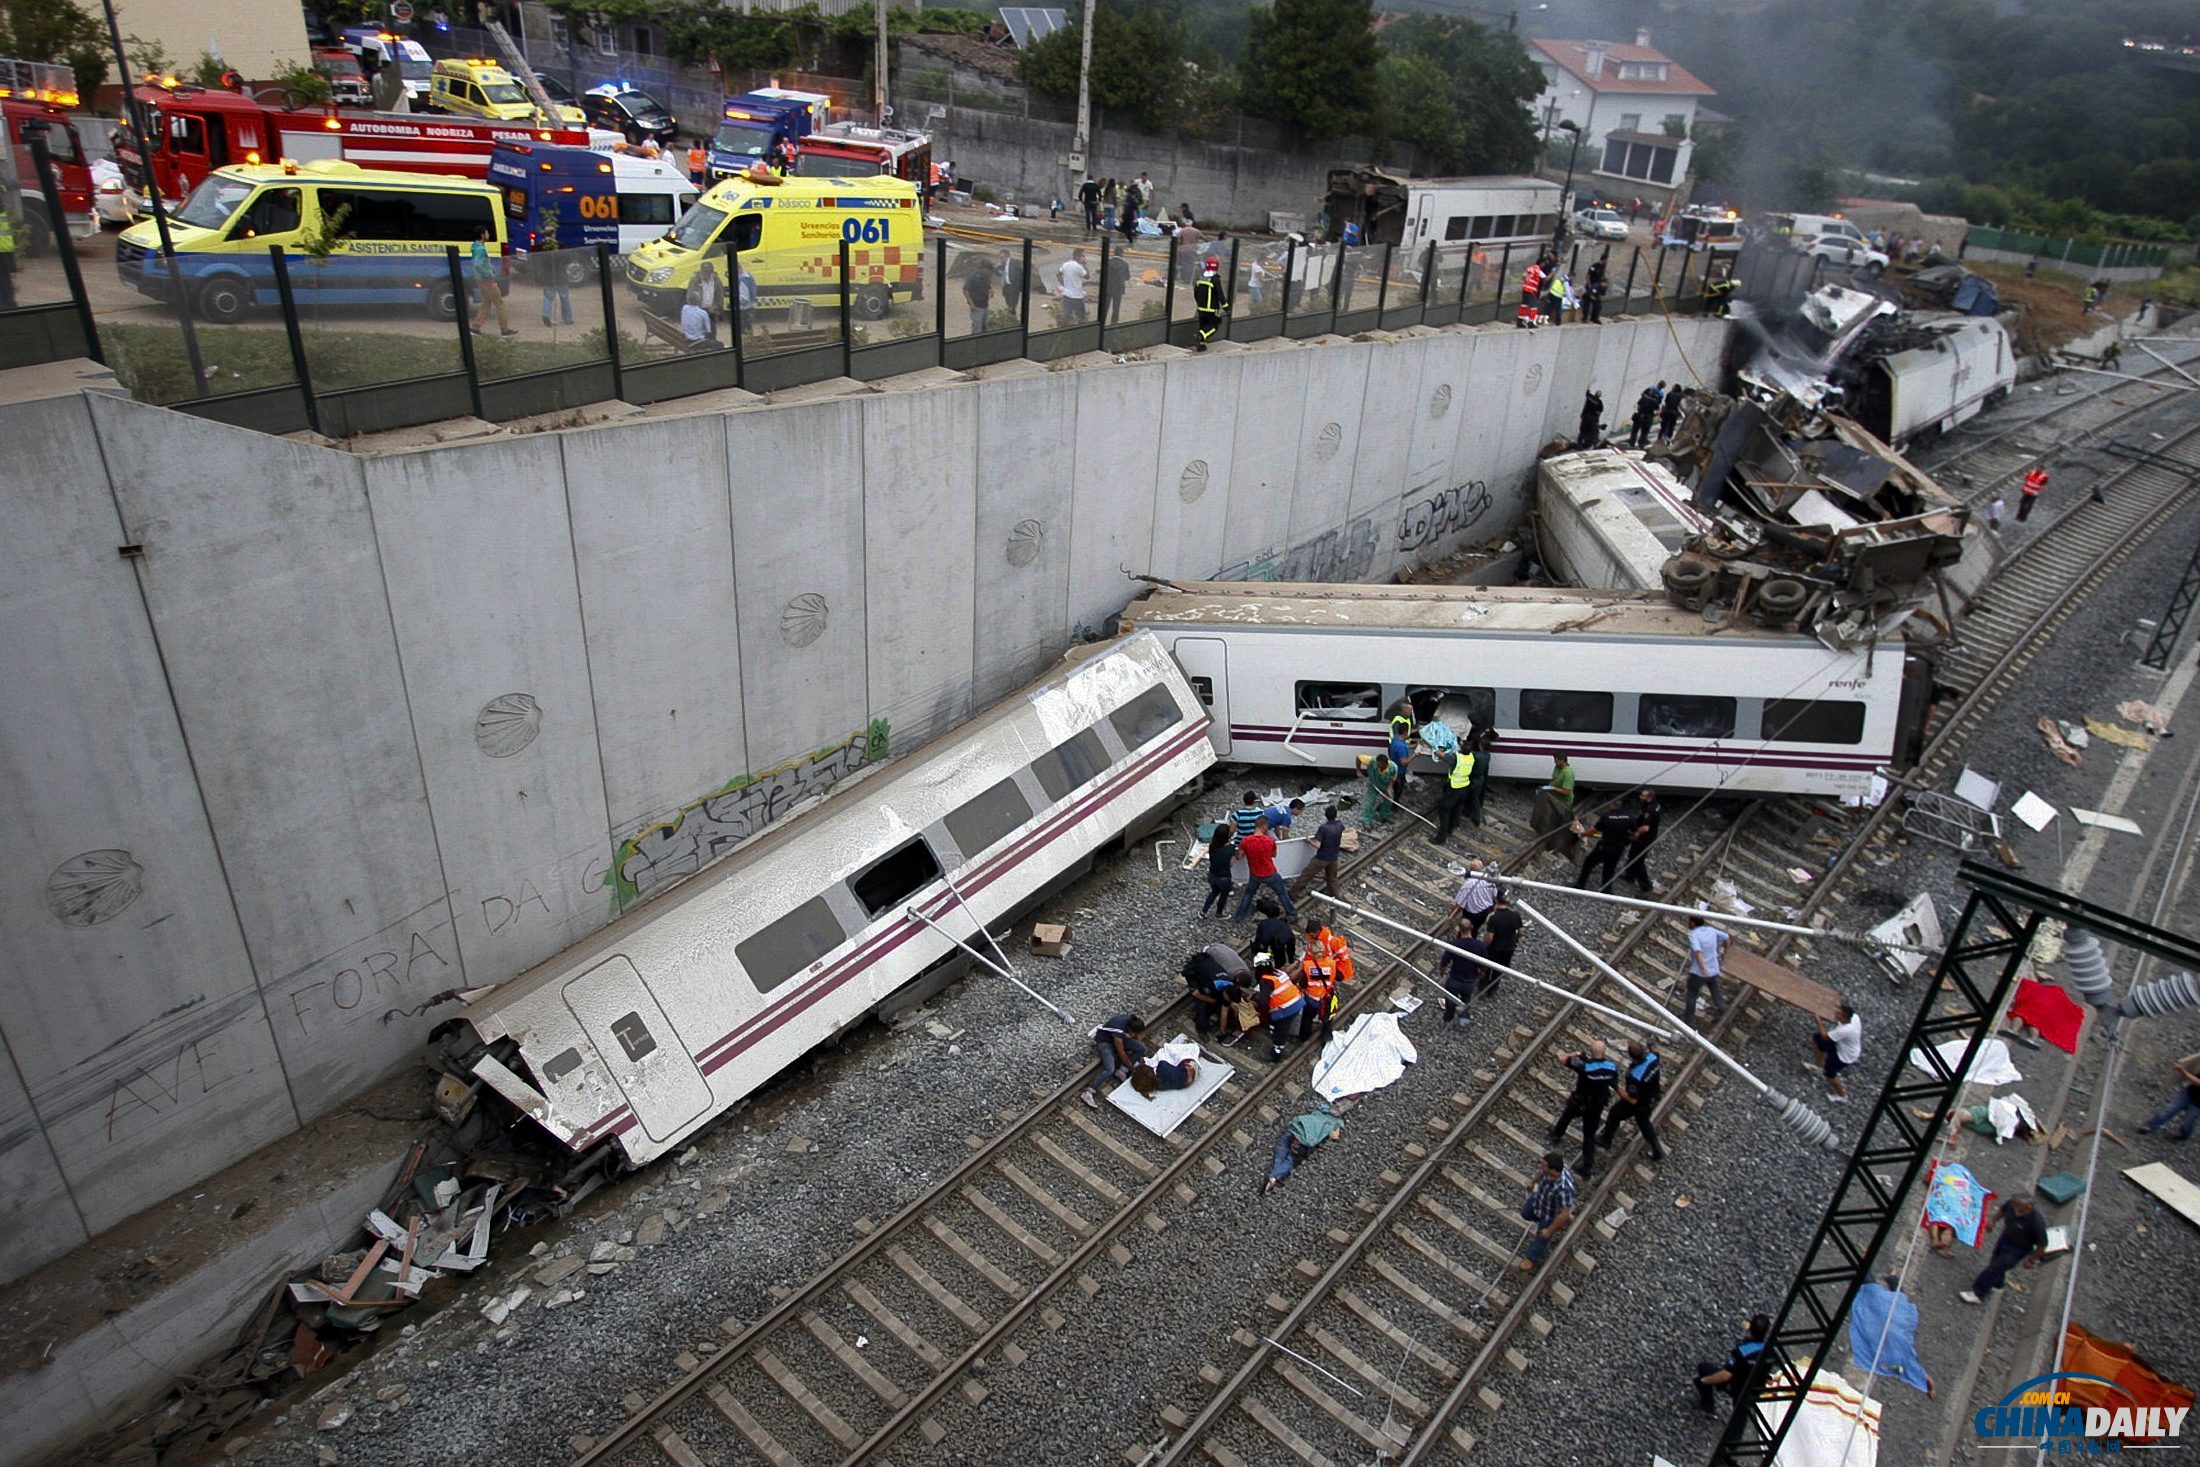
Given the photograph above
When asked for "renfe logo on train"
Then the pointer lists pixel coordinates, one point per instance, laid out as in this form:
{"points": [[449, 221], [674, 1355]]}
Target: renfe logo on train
{"points": [[2040, 1413]]}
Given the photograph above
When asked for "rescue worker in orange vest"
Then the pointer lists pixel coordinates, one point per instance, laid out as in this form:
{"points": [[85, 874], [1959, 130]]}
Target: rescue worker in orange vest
{"points": [[1327, 963], [698, 162], [1531, 295], [1280, 1000], [2035, 481]]}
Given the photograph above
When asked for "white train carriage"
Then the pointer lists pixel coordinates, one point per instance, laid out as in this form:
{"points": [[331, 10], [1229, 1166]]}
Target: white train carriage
{"points": [[644, 1032], [1630, 687], [1908, 395]]}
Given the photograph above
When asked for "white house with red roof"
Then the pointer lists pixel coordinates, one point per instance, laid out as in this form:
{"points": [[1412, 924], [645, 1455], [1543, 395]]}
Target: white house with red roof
{"points": [[1628, 101]]}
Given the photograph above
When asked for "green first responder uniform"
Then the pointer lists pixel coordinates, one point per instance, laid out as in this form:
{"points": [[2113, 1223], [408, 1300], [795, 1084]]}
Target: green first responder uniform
{"points": [[1210, 300], [7, 260]]}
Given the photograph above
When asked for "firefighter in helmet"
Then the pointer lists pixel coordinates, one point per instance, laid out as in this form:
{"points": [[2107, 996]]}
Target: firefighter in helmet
{"points": [[1212, 298]]}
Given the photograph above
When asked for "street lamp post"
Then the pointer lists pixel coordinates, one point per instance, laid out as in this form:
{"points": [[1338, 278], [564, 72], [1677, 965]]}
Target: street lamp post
{"points": [[1566, 190]]}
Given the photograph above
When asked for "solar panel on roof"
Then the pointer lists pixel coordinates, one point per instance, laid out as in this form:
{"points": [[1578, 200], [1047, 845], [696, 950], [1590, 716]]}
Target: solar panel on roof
{"points": [[1028, 23]]}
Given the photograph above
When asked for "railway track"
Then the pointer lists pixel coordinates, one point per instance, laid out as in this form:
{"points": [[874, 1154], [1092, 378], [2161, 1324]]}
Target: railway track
{"points": [[1402, 1349], [896, 1335]]}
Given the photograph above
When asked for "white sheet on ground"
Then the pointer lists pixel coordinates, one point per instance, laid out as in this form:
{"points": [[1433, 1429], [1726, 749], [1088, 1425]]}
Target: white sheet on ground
{"points": [[1992, 1067], [1168, 1108], [1836, 1426], [2003, 1111], [1369, 1055]]}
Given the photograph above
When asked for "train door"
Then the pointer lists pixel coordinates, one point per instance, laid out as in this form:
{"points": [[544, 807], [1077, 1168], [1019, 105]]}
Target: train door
{"points": [[1206, 667], [645, 1057]]}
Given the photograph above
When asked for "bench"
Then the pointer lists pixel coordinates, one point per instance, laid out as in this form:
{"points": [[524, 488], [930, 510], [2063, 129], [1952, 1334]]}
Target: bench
{"points": [[665, 329]]}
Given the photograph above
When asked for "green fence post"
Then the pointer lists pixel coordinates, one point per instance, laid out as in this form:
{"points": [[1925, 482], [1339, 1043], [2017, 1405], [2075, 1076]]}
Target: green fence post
{"points": [[611, 321], [463, 315], [290, 330]]}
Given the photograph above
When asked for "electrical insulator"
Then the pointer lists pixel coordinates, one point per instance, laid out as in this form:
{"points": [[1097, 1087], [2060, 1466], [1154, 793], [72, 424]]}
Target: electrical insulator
{"points": [[2179, 991], [2087, 966], [1814, 1128]]}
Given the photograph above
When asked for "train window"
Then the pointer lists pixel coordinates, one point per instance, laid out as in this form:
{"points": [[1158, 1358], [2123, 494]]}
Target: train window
{"points": [[1203, 688], [1475, 705], [892, 879], [984, 821], [1079, 760], [563, 1063], [1813, 721], [633, 1035], [1339, 700], [1682, 716], [1146, 717], [789, 945], [1559, 711]]}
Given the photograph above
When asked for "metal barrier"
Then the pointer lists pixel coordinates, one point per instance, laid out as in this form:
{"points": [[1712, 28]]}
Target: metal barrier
{"points": [[552, 331]]}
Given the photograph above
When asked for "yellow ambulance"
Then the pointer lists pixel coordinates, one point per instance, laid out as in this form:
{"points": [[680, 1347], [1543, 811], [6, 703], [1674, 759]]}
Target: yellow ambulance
{"points": [[476, 87], [787, 234]]}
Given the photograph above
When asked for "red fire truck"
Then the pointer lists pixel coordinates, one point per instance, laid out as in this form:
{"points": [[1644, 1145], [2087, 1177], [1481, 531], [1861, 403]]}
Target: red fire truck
{"points": [[195, 130], [846, 150], [34, 100]]}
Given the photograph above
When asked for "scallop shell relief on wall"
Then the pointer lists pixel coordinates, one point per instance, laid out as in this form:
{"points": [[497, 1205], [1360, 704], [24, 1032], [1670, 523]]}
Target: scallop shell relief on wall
{"points": [[507, 724]]}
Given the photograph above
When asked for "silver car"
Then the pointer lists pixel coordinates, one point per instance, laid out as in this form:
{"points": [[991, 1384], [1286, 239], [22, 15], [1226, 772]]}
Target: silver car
{"points": [[1600, 224]]}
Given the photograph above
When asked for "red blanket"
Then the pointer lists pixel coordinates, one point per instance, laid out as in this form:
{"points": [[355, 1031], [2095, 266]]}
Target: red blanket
{"points": [[2051, 1011]]}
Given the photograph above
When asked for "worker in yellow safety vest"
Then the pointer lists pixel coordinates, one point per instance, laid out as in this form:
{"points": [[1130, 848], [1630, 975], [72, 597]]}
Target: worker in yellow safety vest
{"points": [[1327, 962], [1456, 785], [7, 257], [1280, 999]]}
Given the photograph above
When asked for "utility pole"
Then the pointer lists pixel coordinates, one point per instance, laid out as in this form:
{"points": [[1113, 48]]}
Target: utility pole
{"points": [[1078, 161], [878, 69]]}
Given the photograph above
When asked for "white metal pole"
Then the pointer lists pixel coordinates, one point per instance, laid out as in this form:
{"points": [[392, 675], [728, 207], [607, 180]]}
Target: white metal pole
{"points": [[1079, 148], [1862, 939], [878, 67]]}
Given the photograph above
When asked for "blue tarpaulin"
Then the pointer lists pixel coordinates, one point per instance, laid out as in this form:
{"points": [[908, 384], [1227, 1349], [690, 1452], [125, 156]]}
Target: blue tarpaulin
{"points": [[1896, 1355]]}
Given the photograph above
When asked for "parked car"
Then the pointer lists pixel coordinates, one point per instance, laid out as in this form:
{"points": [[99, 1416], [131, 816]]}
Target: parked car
{"points": [[622, 107], [1600, 224], [1841, 249]]}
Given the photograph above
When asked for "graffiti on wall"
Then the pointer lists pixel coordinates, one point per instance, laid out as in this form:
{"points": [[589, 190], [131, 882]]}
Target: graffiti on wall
{"points": [[701, 832], [1346, 554], [1425, 518]]}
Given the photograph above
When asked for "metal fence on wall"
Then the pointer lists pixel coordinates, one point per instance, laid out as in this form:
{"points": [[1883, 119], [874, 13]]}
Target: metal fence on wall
{"points": [[2104, 256], [554, 331]]}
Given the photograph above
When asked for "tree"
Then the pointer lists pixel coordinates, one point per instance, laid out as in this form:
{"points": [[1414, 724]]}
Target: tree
{"points": [[1311, 66], [1138, 64], [1459, 92], [55, 30]]}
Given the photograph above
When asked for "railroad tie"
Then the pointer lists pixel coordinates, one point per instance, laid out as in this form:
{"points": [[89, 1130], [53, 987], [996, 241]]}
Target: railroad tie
{"points": [[1502, 1167], [1460, 1272], [1465, 1229], [894, 1325], [970, 1318], [847, 1354], [1062, 1213], [1079, 1170], [812, 1406], [1412, 1289], [1037, 1246], [1138, 1163], [668, 1441], [1381, 1382], [1334, 1409], [977, 1262], [1221, 1455], [1376, 1319], [1298, 1446], [750, 1427]]}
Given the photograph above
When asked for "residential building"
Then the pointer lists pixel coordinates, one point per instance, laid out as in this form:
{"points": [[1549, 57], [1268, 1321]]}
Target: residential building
{"points": [[257, 37], [1636, 108]]}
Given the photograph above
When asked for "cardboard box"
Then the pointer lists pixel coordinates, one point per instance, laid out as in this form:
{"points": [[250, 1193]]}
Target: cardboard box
{"points": [[1050, 940]]}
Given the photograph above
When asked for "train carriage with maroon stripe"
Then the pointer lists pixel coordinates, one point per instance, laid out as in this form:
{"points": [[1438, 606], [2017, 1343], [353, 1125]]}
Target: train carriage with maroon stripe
{"points": [[1630, 687], [629, 1042]]}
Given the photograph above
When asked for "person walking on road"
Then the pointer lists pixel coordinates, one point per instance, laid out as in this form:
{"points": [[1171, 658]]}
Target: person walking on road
{"points": [[1211, 299], [488, 284], [1737, 1375], [1117, 1045], [1259, 851], [1550, 1206], [2035, 484], [1706, 947], [1838, 1048], [2023, 1239], [1328, 851], [1595, 1073], [1639, 1085], [2185, 1102]]}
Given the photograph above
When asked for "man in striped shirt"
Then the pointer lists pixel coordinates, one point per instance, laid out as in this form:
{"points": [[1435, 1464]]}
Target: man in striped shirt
{"points": [[1550, 1206]]}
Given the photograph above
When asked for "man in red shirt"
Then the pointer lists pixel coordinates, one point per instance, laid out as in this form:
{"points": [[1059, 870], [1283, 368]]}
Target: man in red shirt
{"points": [[1259, 851], [2035, 480]]}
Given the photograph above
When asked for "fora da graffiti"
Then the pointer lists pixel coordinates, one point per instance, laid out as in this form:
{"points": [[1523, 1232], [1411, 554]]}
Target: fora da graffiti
{"points": [[1425, 519], [721, 820], [1345, 554]]}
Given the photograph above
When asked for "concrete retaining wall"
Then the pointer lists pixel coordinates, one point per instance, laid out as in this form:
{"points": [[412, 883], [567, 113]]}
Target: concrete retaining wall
{"points": [[333, 737]]}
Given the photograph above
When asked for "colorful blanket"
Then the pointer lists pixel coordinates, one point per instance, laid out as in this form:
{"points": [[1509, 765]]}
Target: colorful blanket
{"points": [[1955, 1197]]}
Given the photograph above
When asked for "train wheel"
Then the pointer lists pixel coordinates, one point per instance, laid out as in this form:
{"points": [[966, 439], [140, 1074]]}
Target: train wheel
{"points": [[1781, 599], [1687, 581]]}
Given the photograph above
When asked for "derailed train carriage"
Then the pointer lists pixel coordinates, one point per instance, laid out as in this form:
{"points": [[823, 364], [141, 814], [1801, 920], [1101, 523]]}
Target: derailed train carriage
{"points": [[627, 1043], [1629, 686]]}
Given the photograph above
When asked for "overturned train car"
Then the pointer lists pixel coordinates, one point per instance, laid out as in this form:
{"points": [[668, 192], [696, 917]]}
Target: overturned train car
{"points": [[627, 1043]]}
